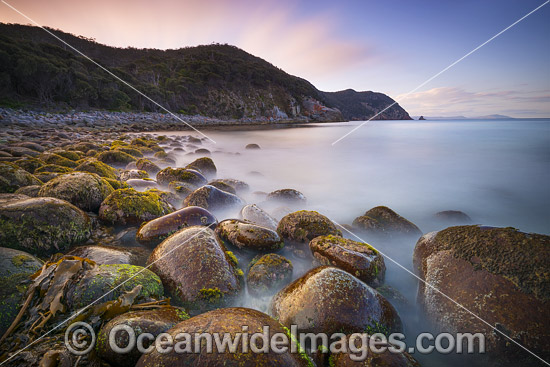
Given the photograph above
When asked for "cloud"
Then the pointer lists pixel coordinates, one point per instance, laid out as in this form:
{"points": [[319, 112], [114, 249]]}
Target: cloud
{"points": [[451, 101]]}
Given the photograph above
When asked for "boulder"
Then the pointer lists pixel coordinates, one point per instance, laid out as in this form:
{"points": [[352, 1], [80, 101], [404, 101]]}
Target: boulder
{"points": [[249, 236], [92, 165], [115, 158], [128, 206], [304, 225], [330, 300], [147, 166], [453, 217], [30, 191], [252, 146], [499, 274], [133, 173], [29, 164], [239, 186], [357, 258], [268, 274], [82, 189], [111, 255], [155, 231], [211, 198], [12, 177], [42, 226], [197, 271], [287, 196], [204, 165], [252, 213], [232, 321], [141, 184], [52, 158], [382, 220], [223, 186], [167, 175]]}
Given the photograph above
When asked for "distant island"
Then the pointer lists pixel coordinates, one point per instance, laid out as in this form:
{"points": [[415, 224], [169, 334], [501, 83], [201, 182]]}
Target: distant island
{"points": [[484, 117], [219, 81]]}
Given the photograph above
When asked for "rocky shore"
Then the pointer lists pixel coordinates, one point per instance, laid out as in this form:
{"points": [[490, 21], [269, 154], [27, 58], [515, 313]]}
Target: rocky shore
{"points": [[109, 228]]}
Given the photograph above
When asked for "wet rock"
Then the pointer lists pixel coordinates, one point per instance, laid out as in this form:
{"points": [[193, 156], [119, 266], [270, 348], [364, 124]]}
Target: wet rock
{"points": [[131, 151], [239, 186], [6, 198], [52, 158], [133, 173], [383, 220], [190, 176], [393, 295], [154, 322], [147, 166], [31, 145], [223, 186], [168, 197], [287, 196], [15, 269], [142, 185], [12, 178], [357, 258], [230, 320], [52, 168], [268, 274], [128, 206], [116, 184], [252, 146], [248, 236], [85, 147], [330, 300], [204, 165], [304, 225], [82, 189], [211, 198], [499, 274], [155, 231], [22, 151], [92, 165], [46, 176], [118, 278], [115, 158], [112, 255], [453, 217], [198, 272], [202, 151], [42, 225], [252, 213], [182, 189], [73, 156], [29, 164]]}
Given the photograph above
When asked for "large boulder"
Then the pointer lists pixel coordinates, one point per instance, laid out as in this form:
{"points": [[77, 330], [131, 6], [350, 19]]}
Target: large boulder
{"points": [[52, 158], [204, 165], [128, 206], [249, 236], [94, 166], [154, 322], [239, 186], [12, 177], [232, 321], [499, 274], [330, 300], [357, 258], [155, 231], [29, 164], [111, 255], [15, 269], [252, 213], [146, 165], [195, 267], [190, 176], [211, 198], [42, 225], [287, 196], [268, 274], [82, 189], [304, 225], [115, 158], [381, 220]]}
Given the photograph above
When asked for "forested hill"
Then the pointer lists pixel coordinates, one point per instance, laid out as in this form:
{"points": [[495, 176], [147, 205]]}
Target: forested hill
{"points": [[214, 80]]}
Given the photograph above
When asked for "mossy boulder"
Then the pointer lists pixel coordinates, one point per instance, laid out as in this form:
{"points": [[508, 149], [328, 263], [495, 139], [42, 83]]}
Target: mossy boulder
{"points": [[304, 225], [6, 198], [13, 177], [198, 272], [118, 278], [128, 206], [168, 197], [85, 146], [52, 158], [239, 186], [182, 189], [22, 151], [330, 300], [52, 168], [92, 165], [252, 213], [212, 198], [15, 269], [223, 186], [47, 176], [204, 165], [115, 158], [72, 155], [499, 274], [268, 274], [357, 258], [155, 231], [42, 225], [232, 321], [146, 165], [116, 184], [167, 175], [30, 191], [111, 255], [29, 164], [133, 173], [129, 150], [249, 236], [154, 322], [82, 189], [142, 184], [381, 220], [287, 196]]}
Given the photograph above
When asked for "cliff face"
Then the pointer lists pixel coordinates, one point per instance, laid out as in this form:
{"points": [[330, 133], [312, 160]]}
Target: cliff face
{"points": [[216, 80], [364, 105]]}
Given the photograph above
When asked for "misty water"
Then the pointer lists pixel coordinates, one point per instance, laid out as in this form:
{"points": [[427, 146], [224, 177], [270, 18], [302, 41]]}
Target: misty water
{"points": [[497, 172]]}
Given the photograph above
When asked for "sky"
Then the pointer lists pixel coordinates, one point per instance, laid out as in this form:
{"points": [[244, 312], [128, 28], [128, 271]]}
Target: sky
{"points": [[385, 46]]}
